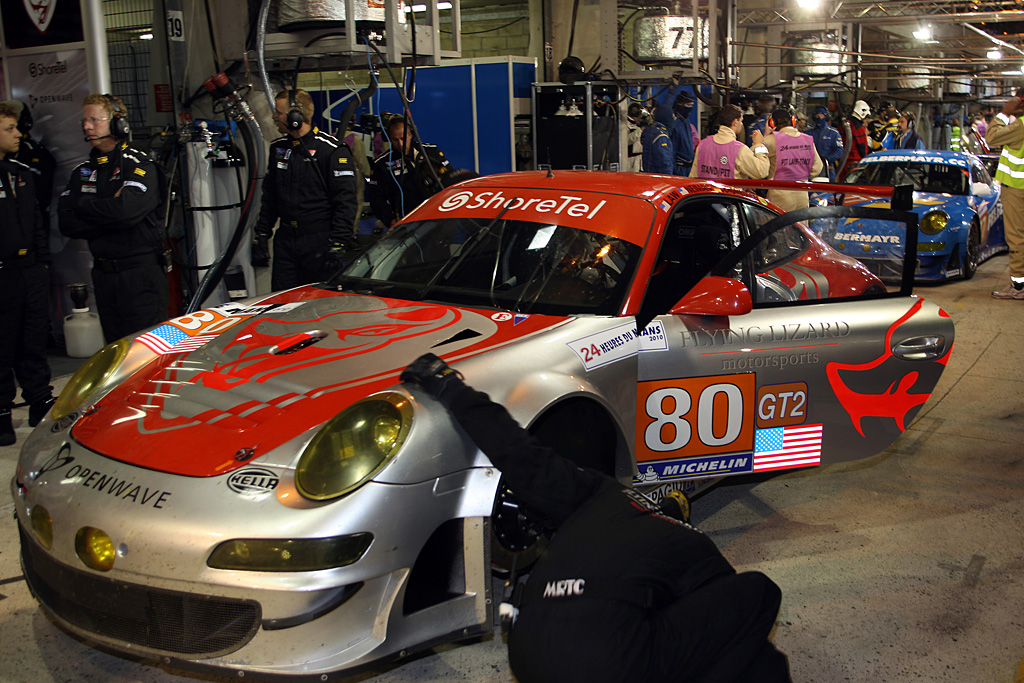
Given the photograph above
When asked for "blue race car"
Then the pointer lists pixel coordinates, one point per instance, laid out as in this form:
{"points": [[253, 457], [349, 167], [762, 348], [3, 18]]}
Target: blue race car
{"points": [[960, 215]]}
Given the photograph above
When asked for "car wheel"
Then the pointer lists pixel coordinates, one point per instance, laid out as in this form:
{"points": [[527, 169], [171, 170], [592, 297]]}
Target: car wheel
{"points": [[972, 254], [579, 430]]}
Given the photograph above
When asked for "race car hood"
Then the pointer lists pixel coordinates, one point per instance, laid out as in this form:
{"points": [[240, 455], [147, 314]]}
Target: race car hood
{"points": [[923, 201], [272, 376]]}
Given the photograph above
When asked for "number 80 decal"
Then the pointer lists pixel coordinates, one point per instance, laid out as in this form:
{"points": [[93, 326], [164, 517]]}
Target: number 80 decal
{"points": [[695, 416]]}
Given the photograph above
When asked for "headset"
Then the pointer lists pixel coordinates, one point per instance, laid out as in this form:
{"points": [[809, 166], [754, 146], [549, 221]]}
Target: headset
{"points": [[25, 119], [120, 128], [294, 118], [909, 116]]}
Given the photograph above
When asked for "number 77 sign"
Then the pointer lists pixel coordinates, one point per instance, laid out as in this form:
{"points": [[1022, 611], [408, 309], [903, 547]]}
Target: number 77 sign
{"points": [[695, 416]]}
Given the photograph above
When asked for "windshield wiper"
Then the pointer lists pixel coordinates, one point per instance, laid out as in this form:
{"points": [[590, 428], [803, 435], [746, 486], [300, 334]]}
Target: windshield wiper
{"points": [[449, 267]]}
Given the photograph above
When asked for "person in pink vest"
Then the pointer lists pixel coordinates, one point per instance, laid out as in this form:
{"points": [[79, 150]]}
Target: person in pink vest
{"points": [[792, 157], [722, 155]]}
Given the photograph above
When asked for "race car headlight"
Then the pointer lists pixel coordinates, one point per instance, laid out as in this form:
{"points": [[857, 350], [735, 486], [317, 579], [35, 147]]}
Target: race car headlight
{"points": [[289, 555], [353, 446], [934, 222], [89, 378], [42, 525], [95, 548]]}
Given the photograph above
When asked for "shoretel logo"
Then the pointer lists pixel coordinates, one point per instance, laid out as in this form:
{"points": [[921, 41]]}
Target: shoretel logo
{"points": [[565, 204], [252, 481]]}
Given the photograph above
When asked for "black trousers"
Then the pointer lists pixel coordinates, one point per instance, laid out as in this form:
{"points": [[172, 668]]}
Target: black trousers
{"points": [[24, 328], [716, 634], [298, 259], [130, 300]]}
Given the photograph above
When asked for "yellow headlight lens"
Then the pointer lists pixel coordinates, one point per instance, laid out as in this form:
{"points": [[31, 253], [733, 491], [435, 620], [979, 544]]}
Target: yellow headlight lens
{"points": [[353, 446], [289, 555], [89, 378], [95, 549], [42, 525], [934, 222]]}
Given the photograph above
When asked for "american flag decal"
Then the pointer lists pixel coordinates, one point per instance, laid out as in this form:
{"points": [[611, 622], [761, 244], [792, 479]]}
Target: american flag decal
{"points": [[779, 448], [169, 339]]}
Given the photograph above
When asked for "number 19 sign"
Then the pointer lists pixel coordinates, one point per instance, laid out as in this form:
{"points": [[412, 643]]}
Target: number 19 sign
{"points": [[695, 416]]}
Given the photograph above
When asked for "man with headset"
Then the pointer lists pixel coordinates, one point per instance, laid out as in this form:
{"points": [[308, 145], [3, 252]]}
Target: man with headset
{"points": [[311, 187], [115, 200], [406, 174]]}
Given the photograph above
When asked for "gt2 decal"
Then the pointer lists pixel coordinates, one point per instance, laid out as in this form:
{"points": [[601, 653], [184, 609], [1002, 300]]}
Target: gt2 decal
{"points": [[781, 404], [694, 416]]}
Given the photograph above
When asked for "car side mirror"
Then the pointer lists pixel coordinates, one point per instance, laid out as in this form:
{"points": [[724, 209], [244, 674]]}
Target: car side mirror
{"points": [[981, 189], [715, 295]]}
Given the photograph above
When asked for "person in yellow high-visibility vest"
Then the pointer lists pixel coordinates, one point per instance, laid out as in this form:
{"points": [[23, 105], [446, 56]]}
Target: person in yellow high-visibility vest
{"points": [[954, 138], [1007, 130]]}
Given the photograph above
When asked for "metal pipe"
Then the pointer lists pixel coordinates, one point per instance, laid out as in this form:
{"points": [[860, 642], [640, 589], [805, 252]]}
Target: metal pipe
{"points": [[95, 31], [994, 39]]}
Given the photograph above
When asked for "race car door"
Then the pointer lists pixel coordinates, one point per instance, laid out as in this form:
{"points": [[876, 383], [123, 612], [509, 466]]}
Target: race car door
{"points": [[817, 361]]}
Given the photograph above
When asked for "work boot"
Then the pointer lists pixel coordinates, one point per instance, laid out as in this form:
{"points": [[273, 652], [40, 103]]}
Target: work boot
{"points": [[7, 435], [37, 411], [1012, 291]]}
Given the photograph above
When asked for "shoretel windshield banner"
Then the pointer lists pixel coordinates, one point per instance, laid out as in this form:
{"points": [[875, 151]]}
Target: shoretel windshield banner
{"points": [[34, 23]]}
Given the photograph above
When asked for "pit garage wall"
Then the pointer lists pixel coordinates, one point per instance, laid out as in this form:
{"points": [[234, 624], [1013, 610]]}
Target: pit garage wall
{"points": [[466, 107]]}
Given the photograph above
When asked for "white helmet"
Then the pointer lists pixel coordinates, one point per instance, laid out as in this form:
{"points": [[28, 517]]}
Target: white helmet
{"points": [[861, 109]]}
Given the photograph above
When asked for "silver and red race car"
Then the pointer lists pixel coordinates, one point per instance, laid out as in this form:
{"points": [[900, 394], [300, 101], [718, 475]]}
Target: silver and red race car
{"points": [[250, 489]]}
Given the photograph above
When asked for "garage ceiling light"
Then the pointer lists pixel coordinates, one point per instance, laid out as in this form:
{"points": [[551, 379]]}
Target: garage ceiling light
{"points": [[923, 33], [808, 4], [423, 8]]}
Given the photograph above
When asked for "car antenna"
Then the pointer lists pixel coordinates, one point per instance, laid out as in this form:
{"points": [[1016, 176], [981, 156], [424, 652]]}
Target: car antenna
{"points": [[550, 174]]}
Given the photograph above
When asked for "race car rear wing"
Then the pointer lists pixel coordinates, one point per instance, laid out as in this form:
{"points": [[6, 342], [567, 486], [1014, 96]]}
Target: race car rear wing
{"points": [[902, 195]]}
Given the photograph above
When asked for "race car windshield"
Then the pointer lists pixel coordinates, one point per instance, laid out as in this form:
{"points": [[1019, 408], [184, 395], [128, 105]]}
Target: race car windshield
{"points": [[924, 177], [505, 264]]}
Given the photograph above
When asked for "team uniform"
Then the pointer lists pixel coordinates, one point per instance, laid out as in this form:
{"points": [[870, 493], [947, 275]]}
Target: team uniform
{"points": [[311, 188], [25, 306], [1008, 132], [399, 183], [623, 592], [828, 142], [791, 156], [115, 201], [42, 164], [658, 154], [858, 148], [683, 133]]}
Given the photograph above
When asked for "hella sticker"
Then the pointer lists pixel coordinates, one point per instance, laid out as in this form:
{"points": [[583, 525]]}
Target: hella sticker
{"points": [[252, 481]]}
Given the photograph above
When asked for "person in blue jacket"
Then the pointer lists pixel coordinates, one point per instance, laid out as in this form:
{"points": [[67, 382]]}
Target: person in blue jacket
{"points": [[904, 137], [682, 131], [827, 141], [658, 151], [765, 106]]}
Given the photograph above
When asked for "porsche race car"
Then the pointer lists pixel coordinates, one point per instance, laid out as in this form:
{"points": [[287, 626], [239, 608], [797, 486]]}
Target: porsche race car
{"points": [[959, 209], [250, 490]]}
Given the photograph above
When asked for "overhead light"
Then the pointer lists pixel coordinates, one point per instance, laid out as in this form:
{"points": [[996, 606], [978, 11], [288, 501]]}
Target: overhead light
{"points": [[146, 36], [809, 4], [423, 8], [995, 54], [923, 33]]}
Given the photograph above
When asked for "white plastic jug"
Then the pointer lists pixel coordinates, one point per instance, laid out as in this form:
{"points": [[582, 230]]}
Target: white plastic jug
{"points": [[83, 334]]}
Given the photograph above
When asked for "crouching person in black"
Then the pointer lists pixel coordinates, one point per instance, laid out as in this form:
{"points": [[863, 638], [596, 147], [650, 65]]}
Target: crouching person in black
{"points": [[623, 592]]}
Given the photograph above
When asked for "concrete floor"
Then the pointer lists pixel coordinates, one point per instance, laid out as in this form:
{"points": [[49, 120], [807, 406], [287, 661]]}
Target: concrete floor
{"points": [[905, 566]]}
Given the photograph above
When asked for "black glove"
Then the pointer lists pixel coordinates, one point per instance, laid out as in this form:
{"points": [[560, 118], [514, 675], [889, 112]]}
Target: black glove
{"points": [[259, 253], [334, 258], [434, 375]]}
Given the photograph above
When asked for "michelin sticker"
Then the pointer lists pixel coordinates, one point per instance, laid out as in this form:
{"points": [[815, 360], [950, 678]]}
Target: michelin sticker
{"points": [[618, 343]]}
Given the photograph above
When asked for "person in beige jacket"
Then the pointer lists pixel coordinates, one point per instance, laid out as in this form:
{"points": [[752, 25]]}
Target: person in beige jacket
{"points": [[791, 156], [722, 155], [1007, 131]]}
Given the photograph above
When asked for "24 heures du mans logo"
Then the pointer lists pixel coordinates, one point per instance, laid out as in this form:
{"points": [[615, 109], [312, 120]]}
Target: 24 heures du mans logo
{"points": [[41, 12]]}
